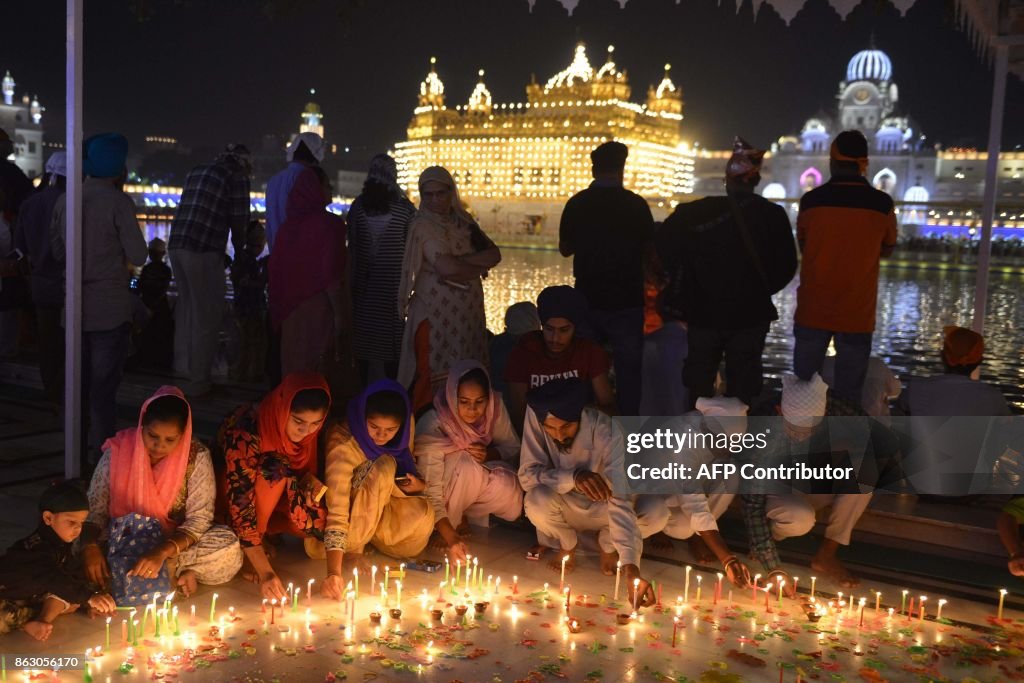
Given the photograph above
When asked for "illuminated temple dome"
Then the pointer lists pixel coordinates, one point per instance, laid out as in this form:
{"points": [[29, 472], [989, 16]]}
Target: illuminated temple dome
{"points": [[540, 149], [869, 65]]}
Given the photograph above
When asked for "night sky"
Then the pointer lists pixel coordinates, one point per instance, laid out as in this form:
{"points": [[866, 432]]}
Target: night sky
{"points": [[212, 71]]}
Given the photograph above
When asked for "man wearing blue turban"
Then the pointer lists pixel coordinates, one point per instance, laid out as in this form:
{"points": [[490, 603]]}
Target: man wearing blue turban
{"points": [[116, 246], [573, 473]]}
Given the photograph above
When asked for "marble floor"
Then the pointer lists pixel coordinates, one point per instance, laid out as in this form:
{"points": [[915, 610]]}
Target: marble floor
{"points": [[523, 636]]}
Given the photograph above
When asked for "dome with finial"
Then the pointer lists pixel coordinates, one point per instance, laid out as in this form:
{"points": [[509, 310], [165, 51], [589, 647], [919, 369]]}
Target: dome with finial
{"points": [[869, 65], [578, 71], [608, 69], [432, 89], [666, 86], [480, 99]]}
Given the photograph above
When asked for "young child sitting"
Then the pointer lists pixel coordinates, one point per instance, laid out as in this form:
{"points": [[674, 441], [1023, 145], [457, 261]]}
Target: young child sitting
{"points": [[40, 578], [249, 277]]}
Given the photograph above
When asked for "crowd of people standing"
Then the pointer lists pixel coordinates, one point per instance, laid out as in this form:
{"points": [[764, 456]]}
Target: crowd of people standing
{"points": [[385, 427]]}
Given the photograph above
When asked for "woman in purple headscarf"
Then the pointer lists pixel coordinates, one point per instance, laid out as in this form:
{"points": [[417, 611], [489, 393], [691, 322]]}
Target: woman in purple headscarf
{"points": [[372, 482]]}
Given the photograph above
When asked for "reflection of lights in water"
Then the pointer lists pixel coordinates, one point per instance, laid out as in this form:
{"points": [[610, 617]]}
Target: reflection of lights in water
{"points": [[913, 307]]}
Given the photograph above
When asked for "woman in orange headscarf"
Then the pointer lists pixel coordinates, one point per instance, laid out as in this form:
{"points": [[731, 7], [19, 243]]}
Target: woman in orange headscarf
{"points": [[156, 482], [270, 483]]}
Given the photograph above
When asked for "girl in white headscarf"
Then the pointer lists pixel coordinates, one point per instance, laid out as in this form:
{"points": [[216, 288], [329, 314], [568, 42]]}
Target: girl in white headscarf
{"points": [[441, 294]]}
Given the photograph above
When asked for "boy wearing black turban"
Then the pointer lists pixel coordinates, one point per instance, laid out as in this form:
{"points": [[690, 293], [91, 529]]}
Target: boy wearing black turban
{"points": [[40, 578]]}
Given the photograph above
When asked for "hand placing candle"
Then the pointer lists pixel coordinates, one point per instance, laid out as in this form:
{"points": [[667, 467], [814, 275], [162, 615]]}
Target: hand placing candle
{"points": [[638, 589]]}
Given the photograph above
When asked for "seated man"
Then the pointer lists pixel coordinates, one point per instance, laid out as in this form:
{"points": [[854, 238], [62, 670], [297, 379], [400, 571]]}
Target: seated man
{"points": [[572, 470], [555, 352], [693, 515], [957, 391], [773, 516]]}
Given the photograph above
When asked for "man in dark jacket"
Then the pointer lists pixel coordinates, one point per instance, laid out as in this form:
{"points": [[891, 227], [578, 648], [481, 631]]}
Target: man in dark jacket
{"points": [[607, 230], [726, 257]]}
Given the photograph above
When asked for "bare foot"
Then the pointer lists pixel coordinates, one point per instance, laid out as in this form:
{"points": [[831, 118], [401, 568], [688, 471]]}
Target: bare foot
{"points": [[357, 561], [700, 550], [834, 569], [608, 563], [39, 630], [660, 541], [556, 562], [437, 542], [187, 583]]}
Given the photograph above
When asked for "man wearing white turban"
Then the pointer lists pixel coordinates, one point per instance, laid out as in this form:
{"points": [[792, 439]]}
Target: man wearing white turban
{"points": [[774, 516]]}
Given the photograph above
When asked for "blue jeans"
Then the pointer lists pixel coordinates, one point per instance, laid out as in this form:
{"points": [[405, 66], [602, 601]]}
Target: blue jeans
{"points": [[103, 356], [852, 352], [624, 332]]}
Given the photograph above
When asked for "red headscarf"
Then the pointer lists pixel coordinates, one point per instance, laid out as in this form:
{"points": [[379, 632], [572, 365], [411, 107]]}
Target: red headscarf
{"points": [[309, 250], [273, 414], [135, 484]]}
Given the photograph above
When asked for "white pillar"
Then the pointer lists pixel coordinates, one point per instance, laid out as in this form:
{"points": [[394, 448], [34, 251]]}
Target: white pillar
{"points": [[73, 276], [995, 135]]}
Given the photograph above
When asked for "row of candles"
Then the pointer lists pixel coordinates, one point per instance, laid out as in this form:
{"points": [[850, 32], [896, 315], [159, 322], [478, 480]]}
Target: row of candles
{"points": [[470, 577]]}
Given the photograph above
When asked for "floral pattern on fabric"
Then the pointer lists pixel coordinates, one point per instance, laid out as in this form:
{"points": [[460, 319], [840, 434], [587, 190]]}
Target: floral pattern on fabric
{"points": [[238, 439]]}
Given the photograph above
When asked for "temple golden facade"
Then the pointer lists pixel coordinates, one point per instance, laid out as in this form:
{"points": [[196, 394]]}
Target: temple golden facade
{"points": [[539, 150]]}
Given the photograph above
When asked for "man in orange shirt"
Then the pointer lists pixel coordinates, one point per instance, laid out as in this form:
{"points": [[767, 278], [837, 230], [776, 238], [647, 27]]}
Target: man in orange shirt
{"points": [[844, 228]]}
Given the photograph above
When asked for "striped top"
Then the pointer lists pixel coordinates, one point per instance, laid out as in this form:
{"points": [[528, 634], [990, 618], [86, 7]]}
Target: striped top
{"points": [[376, 272]]}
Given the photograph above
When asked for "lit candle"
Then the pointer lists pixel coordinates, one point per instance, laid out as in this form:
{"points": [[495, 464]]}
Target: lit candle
{"points": [[263, 606], [699, 577], [561, 580], [156, 622], [192, 616], [863, 601], [675, 627], [458, 572], [903, 602], [135, 632], [382, 594], [938, 614], [291, 592], [387, 576], [373, 577], [440, 590], [309, 592], [679, 605], [177, 628], [686, 586], [920, 617], [131, 625], [878, 601], [718, 588], [497, 586], [401, 570], [108, 633], [355, 579], [814, 579], [618, 571], [213, 606], [781, 585], [447, 568], [295, 600], [476, 565], [753, 590], [515, 584], [398, 585], [636, 593]]}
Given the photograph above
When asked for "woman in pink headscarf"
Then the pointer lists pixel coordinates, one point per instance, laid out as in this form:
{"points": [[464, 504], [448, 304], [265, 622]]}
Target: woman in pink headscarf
{"points": [[469, 455], [158, 479]]}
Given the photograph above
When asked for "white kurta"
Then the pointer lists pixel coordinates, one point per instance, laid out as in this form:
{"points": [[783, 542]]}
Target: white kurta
{"points": [[554, 506]]}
